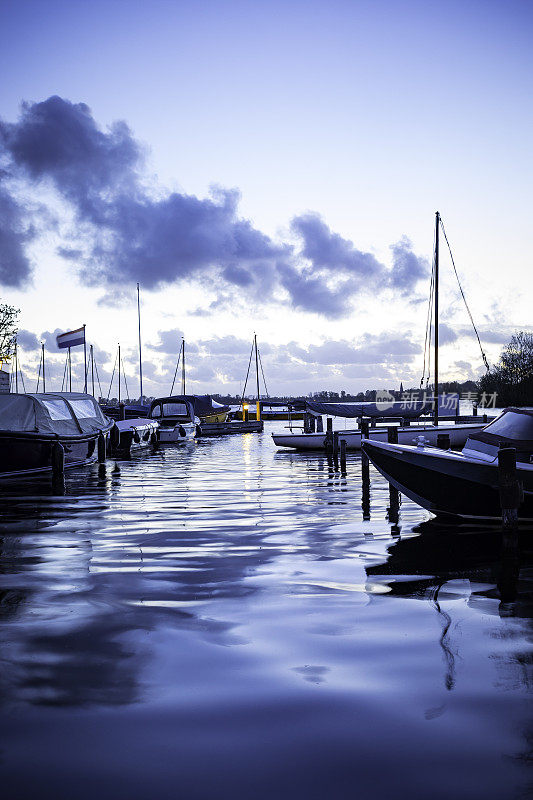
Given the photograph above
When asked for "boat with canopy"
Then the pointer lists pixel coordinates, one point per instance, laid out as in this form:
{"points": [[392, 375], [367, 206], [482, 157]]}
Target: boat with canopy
{"points": [[31, 424]]}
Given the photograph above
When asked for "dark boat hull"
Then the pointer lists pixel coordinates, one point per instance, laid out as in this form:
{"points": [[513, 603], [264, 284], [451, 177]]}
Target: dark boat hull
{"points": [[446, 485], [28, 455]]}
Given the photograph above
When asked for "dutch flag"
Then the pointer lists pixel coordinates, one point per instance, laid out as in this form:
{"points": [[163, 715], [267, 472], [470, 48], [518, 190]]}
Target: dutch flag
{"points": [[71, 338]]}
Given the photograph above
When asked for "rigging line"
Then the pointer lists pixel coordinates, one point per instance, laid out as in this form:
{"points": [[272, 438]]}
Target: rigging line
{"points": [[125, 380], [22, 379], [483, 356], [97, 376], [247, 374], [263, 373], [176, 371], [39, 375], [112, 376], [64, 374]]}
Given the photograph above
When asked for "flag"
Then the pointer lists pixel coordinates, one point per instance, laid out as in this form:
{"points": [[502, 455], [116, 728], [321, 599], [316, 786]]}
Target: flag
{"points": [[71, 338]]}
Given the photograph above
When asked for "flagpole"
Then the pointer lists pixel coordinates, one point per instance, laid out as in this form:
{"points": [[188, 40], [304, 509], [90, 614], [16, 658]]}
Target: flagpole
{"points": [[44, 378], [140, 353], [85, 359]]}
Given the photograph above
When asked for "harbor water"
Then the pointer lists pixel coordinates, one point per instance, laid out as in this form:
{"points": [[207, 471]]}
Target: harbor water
{"points": [[224, 620]]}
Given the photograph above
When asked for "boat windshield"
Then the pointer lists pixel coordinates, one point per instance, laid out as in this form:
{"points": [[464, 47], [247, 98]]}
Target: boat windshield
{"points": [[57, 409], [170, 409], [512, 425], [83, 409]]}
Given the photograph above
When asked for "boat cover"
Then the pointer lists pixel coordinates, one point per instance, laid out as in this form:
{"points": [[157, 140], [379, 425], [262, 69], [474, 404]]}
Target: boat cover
{"points": [[513, 427], [203, 404], [448, 406], [59, 413]]}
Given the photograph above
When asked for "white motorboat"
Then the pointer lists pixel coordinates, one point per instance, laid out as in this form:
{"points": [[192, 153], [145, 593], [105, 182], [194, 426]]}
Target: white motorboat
{"points": [[177, 422], [406, 435]]}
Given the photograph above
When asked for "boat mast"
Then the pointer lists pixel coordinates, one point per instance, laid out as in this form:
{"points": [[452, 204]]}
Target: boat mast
{"points": [[436, 324], [258, 403], [140, 353], [44, 376], [119, 374], [183, 367], [92, 368], [16, 360]]}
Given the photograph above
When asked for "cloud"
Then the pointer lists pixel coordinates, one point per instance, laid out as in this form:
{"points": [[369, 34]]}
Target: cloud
{"points": [[15, 233], [27, 340], [385, 348], [127, 231]]}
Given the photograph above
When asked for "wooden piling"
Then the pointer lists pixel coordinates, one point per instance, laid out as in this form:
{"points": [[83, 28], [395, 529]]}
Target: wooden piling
{"points": [[335, 443], [121, 411], [509, 487], [364, 429], [312, 423], [319, 425], [443, 441], [343, 456], [392, 434], [328, 440], [101, 448], [58, 467]]}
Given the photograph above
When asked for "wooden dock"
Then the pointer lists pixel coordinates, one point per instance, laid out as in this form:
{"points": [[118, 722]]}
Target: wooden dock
{"points": [[234, 426]]}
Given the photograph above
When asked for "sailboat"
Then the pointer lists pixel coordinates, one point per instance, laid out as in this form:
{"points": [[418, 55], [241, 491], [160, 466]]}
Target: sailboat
{"points": [[457, 430]]}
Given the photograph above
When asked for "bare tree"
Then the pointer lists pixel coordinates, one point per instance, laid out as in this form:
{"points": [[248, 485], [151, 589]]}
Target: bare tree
{"points": [[8, 330]]}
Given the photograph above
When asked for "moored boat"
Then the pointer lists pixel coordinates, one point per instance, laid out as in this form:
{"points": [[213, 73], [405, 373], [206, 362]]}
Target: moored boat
{"points": [[464, 484], [176, 418], [31, 424], [133, 434]]}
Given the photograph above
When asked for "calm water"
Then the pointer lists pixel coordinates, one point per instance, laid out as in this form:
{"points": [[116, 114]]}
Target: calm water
{"points": [[224, 620]]}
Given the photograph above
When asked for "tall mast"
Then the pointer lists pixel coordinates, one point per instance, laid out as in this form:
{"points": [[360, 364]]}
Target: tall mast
{"points": [[84, 360], [183, 367], [436, 324], [256, 366], [119, 374], [92, 368], [140, 352], [44, 377], [16, 360], [258, 402]]}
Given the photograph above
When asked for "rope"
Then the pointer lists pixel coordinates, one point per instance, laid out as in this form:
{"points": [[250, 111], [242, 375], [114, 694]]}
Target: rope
{"points": [[263, 372], [483, 356], [176, 371], [125, 379], [97, 376], [247, 374], [112, 376], [39, 375], [64, 374]]}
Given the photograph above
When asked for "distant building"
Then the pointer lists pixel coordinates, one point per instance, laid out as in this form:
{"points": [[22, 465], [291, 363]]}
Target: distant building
{"points": [[4, 382]]}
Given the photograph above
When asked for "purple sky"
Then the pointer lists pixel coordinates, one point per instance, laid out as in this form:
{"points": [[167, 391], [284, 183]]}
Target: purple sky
{"points": [[265, 166]]}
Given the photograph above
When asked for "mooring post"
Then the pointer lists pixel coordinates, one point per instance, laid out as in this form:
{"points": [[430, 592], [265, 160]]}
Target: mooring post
{"points": [[394, 495], [319, 425], [328, 440], [101, 448], [307, 424], [335, 443], [312, 423], [392, 434], [443, 441], [364, 429], [245, 414], [343, 456], [122, 411], [509, 486], [474, 410], [58, 468]]}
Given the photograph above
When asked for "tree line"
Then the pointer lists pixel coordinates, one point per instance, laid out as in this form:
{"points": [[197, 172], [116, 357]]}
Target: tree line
{"points": [[507, 383]]}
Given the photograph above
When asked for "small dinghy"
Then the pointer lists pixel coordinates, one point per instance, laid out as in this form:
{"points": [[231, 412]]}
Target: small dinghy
{"points": [[464, 484]]}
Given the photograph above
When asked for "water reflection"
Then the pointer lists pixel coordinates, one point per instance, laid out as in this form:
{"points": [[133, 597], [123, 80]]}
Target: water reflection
{"points": [[228, 605]]}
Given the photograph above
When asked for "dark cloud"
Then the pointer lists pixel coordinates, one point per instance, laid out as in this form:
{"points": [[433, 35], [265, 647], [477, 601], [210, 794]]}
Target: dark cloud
{"points": [[447, 335], [15, 233], [126, 233], [407, 268], [170, 343]]}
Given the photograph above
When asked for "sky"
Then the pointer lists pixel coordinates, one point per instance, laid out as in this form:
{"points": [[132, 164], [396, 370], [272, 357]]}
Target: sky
{"points": [[268, 167]]}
